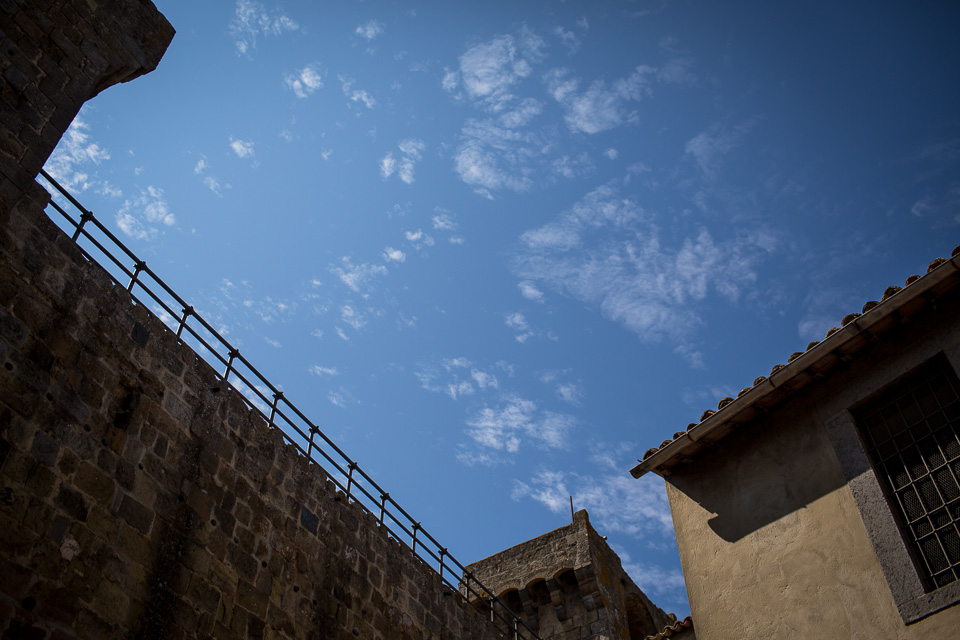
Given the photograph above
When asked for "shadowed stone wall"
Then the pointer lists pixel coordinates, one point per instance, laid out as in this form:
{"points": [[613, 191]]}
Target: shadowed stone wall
{"points": [[139, 496], [568, 584]]}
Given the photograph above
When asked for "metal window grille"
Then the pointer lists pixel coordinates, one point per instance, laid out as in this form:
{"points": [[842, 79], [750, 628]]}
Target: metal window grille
{"points": [[911, 433]]}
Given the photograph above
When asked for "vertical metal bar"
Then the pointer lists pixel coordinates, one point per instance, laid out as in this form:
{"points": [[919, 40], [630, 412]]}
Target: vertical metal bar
{"points": [[313, 432], [443, 552], [416, 526], [84, 216], [383, 505], [516, 629], [350, 467], [493, 603], [233, 355], [187, 312], [137, 268], [273, 409]]}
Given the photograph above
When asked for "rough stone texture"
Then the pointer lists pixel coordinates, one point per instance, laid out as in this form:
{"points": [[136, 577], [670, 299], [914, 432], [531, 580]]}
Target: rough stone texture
{"points": [[138, 497], [783, 530], [55, 55], [568, 584]]}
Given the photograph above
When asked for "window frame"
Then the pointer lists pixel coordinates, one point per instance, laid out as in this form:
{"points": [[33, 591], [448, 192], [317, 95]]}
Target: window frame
{"points": [[914, 602]]}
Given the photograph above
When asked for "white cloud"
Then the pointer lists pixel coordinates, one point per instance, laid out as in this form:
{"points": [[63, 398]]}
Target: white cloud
{"points": [[370, 29], [494, 157], [352, 317], [144, 216], [570, 392], [419, 238], [490, 70], [340, 397], [568, 38], [214, 185], [616, 502], [388, 164], [343, 336], [306, 81], [505, 427], [75, 155], [356, 95], [252, 19], [451, 79], [273, 343], [573, 167], [606, 251], [411, 150], [529, 291], [484, 380], [611, 153], [603, 107], [356, 276], [393, 255], [201, 165], [516, 321], [709, 148], [317, 370], [242, 148], [444, 222]]}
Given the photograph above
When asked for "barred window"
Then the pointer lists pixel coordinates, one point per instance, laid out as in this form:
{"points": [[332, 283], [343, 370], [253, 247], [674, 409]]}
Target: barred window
{"points": [[910, 430]]}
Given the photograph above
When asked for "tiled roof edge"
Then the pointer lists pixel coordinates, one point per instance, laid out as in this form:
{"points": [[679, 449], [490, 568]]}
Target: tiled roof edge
{"points": [[671, 630], [850, 326]]}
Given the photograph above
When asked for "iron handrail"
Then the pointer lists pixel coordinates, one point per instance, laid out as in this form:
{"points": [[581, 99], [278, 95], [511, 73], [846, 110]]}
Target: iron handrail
{"points": [[358, 485]]}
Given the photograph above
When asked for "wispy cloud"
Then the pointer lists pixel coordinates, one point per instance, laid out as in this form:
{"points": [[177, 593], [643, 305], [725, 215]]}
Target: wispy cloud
{"points": [[356, 95], [490, 71], [709, 148], [243, 148], [393, 255], [607, 251], [76, 156], [252, 19], [317, 370], [456, 377], [601, 107], [568, 38], [370, 29], [144, 216], [529, 291], [518, 322], [356, 276], [419, 239], [306, 81], [493, 157], [351, 316], [411, 150], [505, 426]]}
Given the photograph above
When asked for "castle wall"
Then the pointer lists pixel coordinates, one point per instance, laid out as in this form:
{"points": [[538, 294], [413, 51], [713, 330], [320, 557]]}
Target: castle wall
{"points": [[140, 496], [568, 584]]}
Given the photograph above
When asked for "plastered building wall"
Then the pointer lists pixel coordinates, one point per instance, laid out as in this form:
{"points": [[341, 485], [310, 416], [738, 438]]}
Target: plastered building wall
{"points": [[568, 584], [139, 496], [770, 533]]}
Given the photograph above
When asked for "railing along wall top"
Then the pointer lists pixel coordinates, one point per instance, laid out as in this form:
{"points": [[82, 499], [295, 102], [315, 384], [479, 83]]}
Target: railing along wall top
{"points": [[102, 247]]}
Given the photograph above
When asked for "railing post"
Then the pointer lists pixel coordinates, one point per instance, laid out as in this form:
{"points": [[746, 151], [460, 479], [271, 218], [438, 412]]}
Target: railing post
{"points": [[313, 431], [516, 629], [273, 409], [443, 552], [233, 356], [353, 465], [137, 268], [84, 216], [383, 505], [187, 312], [416, 527]]}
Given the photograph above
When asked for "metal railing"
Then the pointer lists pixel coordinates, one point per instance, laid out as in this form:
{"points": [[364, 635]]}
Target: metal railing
{"points": [[147, 289]]}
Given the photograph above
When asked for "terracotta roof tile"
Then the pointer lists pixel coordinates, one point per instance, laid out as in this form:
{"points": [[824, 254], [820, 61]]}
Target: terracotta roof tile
{"points": [[671, 630], [888, 293]]}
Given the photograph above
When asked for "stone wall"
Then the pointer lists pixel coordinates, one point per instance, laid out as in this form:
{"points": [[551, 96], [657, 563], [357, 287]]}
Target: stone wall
{"points": [[569, 584], [140, 497], [54, 56]]}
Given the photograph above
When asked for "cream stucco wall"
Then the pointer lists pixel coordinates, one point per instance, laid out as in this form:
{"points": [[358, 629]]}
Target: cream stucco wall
{"points": [[771, 536]]}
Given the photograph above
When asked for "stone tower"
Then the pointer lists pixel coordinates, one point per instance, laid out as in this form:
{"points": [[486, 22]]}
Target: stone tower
{"points": [[568, 584]]}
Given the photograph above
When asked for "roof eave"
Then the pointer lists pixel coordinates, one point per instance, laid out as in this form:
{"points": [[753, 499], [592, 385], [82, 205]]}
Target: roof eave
{"points": [[657, 462]]}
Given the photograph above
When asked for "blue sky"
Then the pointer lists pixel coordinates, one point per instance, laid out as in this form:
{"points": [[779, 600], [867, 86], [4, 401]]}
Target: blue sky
{"points": [[498, 250]]}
